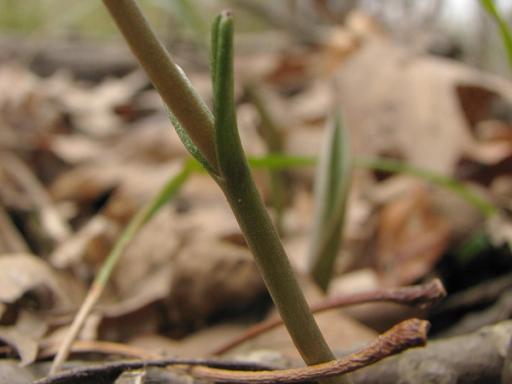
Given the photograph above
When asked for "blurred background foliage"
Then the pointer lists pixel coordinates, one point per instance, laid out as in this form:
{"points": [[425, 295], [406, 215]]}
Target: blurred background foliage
{"points": [[450, 27]]}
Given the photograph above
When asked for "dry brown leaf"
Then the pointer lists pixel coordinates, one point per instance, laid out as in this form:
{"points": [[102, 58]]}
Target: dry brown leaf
{"points": [[24, 273], [25, 346], [86, 249], [410, 239], [210, 276], [197, 344], [51, 222], [11, 241], [139, 181], [149, 254], [91, 109], [408, 104], [12, 373]]}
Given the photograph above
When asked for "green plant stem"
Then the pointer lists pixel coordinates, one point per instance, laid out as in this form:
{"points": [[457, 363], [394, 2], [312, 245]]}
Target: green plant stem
{"points": [[101, 280], [234, 179], [239, 188], [276, 270], [170, 81]]}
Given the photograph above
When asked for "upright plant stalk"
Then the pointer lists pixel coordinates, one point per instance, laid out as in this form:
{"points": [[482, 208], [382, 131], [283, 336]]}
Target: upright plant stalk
{"points": [[220, 148], [170, 81], [250, 212]]}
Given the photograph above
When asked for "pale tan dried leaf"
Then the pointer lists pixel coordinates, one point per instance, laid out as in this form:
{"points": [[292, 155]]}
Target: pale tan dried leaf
{"points": [[210, 276], [25, 346], [23, 273], [12, 373], [409, 104], [410, 239], [88, 247]]}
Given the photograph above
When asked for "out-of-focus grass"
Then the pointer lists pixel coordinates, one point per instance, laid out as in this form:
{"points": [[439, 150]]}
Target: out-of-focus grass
{"points": [[172, 19], [503, 26], [87, 18]]}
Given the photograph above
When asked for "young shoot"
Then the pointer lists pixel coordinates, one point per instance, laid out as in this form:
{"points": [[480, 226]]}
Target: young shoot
{"points": [[214, 141]]}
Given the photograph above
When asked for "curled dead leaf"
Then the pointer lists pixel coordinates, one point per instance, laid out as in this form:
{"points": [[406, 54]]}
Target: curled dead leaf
{"points": [[24, 273], [24, 345]]}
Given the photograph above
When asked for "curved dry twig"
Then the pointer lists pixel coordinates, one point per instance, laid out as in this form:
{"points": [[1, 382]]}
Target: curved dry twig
{"points": [[407, 334], [424, 295]]}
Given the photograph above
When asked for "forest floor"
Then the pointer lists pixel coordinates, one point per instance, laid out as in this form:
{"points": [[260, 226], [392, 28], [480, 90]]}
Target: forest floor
{"points": [[85, 143]]}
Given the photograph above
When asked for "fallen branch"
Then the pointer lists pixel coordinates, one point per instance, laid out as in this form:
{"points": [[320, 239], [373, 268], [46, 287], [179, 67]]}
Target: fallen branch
{"points": [[101, 347], [109, 372], [424, 295], [407, 334], [475, 358]]}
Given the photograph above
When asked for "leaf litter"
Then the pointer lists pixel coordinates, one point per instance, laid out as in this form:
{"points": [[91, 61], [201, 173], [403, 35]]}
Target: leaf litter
{"points": [[78, 160]]}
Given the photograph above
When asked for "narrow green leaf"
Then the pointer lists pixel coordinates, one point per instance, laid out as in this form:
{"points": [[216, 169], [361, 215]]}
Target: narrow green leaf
{"points": [[331, 192], [189, 144], [502, 25], [142, 217], [279, 161], [228, 147], [214, 49], [462, 190]]}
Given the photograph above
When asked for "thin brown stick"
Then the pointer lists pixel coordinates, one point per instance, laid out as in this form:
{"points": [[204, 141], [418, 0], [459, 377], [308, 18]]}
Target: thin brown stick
{"points": [[102, 347], [424, 295], [90, 300], [108, 372], [407, 334]]}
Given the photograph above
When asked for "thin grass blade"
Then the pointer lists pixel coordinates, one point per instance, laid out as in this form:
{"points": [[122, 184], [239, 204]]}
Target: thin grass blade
{"points": [[331, 191], [504, 28]]}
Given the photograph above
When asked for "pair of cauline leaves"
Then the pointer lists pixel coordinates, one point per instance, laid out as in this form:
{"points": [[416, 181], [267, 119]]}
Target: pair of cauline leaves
{"points": [[228, 149]]}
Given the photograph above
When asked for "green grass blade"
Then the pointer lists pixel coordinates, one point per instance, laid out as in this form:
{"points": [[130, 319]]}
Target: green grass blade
{"points": [[485, 206], [331, 192], [502, 25], [279, 161], [101, 280], [393, 166], [168, 191]]}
